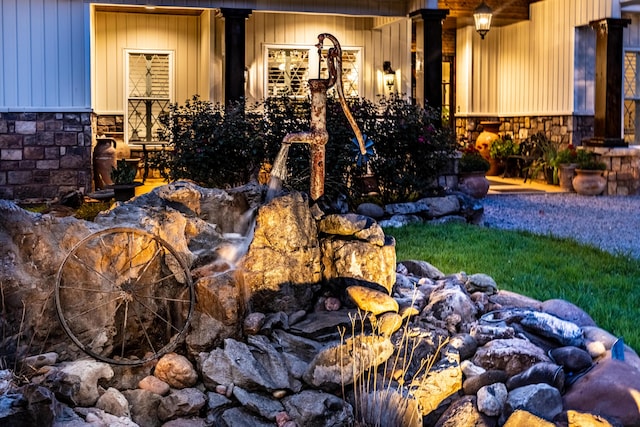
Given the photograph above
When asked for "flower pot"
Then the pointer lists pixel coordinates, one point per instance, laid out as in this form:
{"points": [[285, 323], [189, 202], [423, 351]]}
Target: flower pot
{"points": [[483, 144], [589, 182], [124, 192], [474, 184], [566, 172]]}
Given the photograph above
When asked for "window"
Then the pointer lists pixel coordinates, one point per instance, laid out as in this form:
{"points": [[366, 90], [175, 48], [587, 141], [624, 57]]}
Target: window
{"points": [[288, 70], [149, 91], [631, 98]]}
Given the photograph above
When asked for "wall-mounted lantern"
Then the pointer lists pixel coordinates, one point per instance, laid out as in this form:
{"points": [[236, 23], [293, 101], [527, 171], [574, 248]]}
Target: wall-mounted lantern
{"points": [[482, 17], [389, 75]]}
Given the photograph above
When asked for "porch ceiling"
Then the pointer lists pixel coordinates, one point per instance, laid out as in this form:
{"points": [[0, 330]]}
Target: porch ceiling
{"points": [[505, 12]]}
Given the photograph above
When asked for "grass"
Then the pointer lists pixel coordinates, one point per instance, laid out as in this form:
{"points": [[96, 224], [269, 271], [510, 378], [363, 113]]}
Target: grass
{"points": [[605, 286]]}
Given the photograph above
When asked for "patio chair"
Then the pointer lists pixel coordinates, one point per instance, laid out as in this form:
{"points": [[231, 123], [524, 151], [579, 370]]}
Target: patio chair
{"points": [[519, 165]]}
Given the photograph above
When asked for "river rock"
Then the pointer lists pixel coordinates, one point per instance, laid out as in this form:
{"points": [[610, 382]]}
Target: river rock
{"points": [[541, 400], [114, 403], [472, 384], [464, 413], [370, 209], [491, 399], [240, 417], [433, 387], [441, 206], [339, 364], [319, 409], [572, 359], [144, 407], [372, 301], [567, 311], [480, 282], [238, 364], [452, 305], [547, 373], [420, 207], [181, 403], [265, 406], [420, 268], [154, 385], [84, 375], [521, 418], [176, 370], [511, 355], [610, 389]]}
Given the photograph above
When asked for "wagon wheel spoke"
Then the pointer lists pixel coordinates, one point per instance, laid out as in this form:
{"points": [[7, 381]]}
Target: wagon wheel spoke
{"points": [[142, 291], [158, 316]]}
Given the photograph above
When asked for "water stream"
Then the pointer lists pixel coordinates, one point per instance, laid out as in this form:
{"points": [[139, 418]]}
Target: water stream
{"points": [[278, 172]]}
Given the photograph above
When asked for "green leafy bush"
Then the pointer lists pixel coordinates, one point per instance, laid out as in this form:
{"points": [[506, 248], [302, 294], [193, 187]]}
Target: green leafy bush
{"points": [[503, 147], [212, 145], [221, 148]]}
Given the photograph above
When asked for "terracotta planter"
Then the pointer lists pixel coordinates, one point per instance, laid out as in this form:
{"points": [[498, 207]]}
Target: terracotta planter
{"points": [[589, 182], [483, 144], [474, 184]]}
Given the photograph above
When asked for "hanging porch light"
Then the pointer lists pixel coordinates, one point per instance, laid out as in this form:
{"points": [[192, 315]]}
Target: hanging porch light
{"points": [[482, 18]]}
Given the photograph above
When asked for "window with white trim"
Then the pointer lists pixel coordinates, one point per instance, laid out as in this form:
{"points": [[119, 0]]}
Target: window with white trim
{"points": [[289, 68], [149, 91], [631, 97]]}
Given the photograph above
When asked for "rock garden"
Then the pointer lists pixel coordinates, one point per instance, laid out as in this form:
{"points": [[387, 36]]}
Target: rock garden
{"points": [[303, 317]]}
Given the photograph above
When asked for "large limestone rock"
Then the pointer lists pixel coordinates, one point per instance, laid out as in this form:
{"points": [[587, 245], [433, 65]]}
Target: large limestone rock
{"points": [[282, 267]]}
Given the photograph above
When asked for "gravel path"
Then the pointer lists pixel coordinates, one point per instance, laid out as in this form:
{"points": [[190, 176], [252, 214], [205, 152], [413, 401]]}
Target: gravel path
{"points": [[610, 223]]}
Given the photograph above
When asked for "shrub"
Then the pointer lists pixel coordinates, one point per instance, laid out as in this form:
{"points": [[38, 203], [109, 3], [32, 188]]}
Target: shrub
{"points": [[222, 148], [503, 147], [211, 145]]}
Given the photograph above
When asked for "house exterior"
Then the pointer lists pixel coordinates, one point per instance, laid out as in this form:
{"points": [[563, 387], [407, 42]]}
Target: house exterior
{"points": [[74, 71]]}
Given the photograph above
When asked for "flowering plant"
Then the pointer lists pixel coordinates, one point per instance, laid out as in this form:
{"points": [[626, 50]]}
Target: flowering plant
{"points": [[566, 156], [472, 161], [588, 160]]}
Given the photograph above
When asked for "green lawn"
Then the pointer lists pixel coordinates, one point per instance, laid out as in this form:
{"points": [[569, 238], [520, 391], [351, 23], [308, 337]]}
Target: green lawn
{"points": [[605, 286]]}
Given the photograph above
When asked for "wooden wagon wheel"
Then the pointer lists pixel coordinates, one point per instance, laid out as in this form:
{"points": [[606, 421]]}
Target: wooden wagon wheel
{"points": [[124, 296]]}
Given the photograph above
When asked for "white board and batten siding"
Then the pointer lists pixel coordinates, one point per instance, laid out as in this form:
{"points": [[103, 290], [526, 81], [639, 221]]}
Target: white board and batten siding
{"points": [[528, 68], [377, 43], [45, 60], [117, 33]]}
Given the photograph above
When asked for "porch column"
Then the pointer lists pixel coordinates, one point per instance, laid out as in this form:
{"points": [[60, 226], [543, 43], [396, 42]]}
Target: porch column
{"points": [[607, 130], [432, 45], [234, 52]]}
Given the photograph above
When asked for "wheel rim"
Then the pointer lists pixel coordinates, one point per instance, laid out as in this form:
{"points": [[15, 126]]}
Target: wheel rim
{"points": [[124, 296]]}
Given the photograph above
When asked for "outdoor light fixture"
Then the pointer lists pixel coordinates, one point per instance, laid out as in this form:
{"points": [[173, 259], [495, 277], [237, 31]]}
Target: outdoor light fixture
{"points": [[482, 17], [389, 75]]}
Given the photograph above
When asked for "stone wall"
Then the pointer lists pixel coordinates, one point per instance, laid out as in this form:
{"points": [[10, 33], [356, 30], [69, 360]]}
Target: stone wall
{"points": [[44, 155], [563, 129], [623, 170]]}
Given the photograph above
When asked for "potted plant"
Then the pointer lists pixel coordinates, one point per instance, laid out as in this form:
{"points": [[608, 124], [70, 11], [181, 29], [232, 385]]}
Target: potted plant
{"points": [[566, 164], [546, 162], [472, 168], [589, 177], [500, 150], [123, 176]]}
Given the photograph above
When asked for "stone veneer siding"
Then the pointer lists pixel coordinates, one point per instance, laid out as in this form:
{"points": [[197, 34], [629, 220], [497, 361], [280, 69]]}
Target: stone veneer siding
{"points": [[44, 155], [623, 170], [562, 129], [623, 164]]}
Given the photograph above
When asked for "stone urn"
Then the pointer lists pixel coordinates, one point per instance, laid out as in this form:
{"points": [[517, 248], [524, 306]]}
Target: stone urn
{"points": [[474, 184], [589, 182], [483, 144], [566, 172]]}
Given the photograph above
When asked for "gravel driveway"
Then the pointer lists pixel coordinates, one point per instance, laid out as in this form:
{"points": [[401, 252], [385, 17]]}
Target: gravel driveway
{"points": [[611, 223]]}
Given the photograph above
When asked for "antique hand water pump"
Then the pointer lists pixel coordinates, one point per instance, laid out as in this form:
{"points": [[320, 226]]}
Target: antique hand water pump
{"points": [[317, 137]]}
